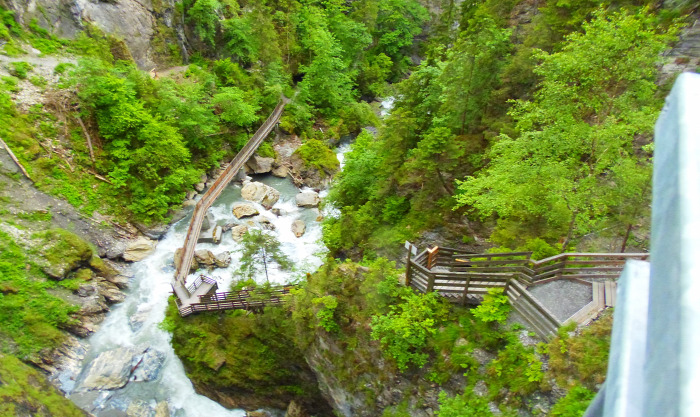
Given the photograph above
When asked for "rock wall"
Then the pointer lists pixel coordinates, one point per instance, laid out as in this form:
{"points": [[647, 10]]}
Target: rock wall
{"points": [[139, 23], [685, 54]]}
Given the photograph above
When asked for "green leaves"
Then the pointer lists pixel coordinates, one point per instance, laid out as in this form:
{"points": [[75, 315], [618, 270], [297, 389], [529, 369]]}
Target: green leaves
{"points": [[260, 249], [234, 108], [494, 308]]}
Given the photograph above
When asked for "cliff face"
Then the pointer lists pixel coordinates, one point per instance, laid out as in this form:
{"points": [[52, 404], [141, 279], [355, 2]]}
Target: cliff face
{"points": [[150, 28]]}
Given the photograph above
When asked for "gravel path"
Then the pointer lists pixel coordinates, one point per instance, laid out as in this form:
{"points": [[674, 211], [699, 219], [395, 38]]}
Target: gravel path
{"points": [[563, 298]]}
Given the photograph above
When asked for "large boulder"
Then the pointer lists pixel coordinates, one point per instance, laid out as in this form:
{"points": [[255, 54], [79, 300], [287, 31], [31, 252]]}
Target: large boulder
{"points": [[298, 228], [177, 259], [308, 199], [237, 232], [259, 165], [241, 210], [222, 260], [113, 368], [205, 257], [260, 193], [62, 252], [281, 171], [138, 249], [149, 366]]}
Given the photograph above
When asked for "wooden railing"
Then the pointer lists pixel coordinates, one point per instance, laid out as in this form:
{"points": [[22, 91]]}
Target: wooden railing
{"points": [[251, 300], [215, 190], [199, 282], [464, 277]]}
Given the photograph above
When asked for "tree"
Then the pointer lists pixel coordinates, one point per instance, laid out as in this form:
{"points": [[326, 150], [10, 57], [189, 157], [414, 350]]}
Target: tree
{"points": [[259, 249], [596, 98]]}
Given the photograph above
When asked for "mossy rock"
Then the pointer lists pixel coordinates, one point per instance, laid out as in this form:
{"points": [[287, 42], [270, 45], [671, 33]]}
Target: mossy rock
{"points": [[63, 252], [316, 154], [25, 391]]}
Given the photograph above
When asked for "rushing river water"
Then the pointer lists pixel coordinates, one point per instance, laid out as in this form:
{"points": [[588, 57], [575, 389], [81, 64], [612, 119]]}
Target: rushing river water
{"points": [[135, 321]]}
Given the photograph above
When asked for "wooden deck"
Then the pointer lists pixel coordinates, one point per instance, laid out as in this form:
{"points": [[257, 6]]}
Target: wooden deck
{"points": [[464, 277]]}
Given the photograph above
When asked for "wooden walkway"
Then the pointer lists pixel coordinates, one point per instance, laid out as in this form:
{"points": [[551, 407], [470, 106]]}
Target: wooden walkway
{"points": [[464, 277], [188, 297]]}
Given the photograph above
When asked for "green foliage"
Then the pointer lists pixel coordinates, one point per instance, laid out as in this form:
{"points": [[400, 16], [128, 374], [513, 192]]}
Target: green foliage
{"points": [[204, 15], [581, 126], [316, 154], [465, 405], [266, 150], [20, 69], [25, 388], [574, 404], [404, 331], [517, 368], [63, 250], [259, 249], [63, 67], [494, 308], [234, 108], [325, 314], [31, 316]]}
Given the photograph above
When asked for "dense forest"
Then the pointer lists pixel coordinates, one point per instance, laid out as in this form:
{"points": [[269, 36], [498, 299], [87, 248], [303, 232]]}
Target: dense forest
{"points": [[515, 125]]}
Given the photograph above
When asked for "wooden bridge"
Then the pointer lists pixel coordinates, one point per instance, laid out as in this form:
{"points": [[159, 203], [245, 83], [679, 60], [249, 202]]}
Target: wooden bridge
{"points": [[189, 299], [465, 277]]}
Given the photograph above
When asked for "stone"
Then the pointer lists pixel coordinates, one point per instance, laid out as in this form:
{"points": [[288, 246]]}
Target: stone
{"points": [[265, 223], [152, 232], [211, 236], [189, 203], [149, 366], [308, 199], [93, 304], [281, 171], [241, 210], [240, 175], [199, 187], [278, 212], [112, 369], [204, 256], [295, 410], [162, 409], [138, 249], [113, 295], [260, 193], [259, 165], [207, 221], [138, 409], [121, 281], [137, 319], [298, 228], [178, 256], [86, 290], [237, 232], [222, 260], [190, 195]]}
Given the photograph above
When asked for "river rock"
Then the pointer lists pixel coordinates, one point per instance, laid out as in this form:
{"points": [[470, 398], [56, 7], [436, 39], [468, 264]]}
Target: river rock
{"points": [[178, 256], [295, 410], [222, 260], [298, 228], [237, 232], [137, 319], [308, 199], [138, 409], [260, 165], [111, 293], [149, 366], [211, 236], [204, 256], [281, 171], [265, 223], [199, 187], [278, 212], [260, 193], [138, 249], [112, 369], [162, 409], [207, 222], [241, 210]]}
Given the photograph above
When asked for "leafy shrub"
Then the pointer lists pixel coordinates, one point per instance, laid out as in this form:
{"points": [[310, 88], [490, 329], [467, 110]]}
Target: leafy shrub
{"points": [[325, 315], [574, 404], [20, 69], [316, 154], [404, 331], [62, 67], [517, 368], [465, 405], [495, 307], [266, 150]]}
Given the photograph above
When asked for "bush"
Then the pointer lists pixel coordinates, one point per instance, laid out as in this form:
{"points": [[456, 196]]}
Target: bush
{"points": [[494, 308], [20, 69], [316, 154], [517, 368], [574, 404]]}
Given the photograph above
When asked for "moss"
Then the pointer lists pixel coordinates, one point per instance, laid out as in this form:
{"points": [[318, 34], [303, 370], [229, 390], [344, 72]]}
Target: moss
{"points": [[24, 391], [316, 154], [20, 69], [266, 151], [63, 251]]}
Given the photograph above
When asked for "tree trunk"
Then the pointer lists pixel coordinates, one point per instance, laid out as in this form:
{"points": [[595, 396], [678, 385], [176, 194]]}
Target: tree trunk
{"points": [[570, 233], [443, 182], [627, 236]]}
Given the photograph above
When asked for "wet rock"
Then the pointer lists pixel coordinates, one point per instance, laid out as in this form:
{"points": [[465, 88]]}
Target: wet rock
{"points": [[139, 409], [162, 409], [278, 212], [112, 369], [298, 228], [308, 199], [115, 250], [260, 193], [121, 281], [199, 187], [152, 232], [211, 236], [111, 293], [191, 195], [222, 260], [265, 223], [240, 175], [93, 304], [259, 165], [280, 171], [208, 221], [86, 290], [204, 256], [241, 210], [137, 319], [228, 226], [178, 256], [237, 232], [138, 249], [149, 366]]}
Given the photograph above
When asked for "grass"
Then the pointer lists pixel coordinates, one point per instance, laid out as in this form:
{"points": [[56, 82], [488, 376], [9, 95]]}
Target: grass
{"points": [[25, 391]]}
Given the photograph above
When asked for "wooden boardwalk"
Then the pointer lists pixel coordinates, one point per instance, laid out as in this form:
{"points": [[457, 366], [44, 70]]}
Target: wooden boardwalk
{"points": [[464, 277], [190, 296]]}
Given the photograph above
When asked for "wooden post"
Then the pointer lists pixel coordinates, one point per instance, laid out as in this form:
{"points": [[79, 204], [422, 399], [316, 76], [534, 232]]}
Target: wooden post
{"points": [[432, 257], [409, 250], [466, 291], [431, 283]]}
